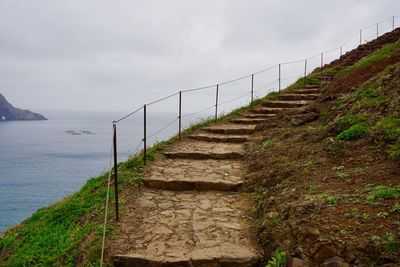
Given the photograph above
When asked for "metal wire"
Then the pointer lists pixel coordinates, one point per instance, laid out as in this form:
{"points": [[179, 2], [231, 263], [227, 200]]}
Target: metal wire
{"points": [[106, 209], [291, 77], [162, 129], [197, 112], [264, 70], [130, 114], [199, 88], [292, 62], [255, 73], [161, 99], [234, 99], [235, 80]]}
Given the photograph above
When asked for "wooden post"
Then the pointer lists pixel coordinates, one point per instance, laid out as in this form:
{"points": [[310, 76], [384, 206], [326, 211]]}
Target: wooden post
{"points": [[144, 134], [180, 114]]}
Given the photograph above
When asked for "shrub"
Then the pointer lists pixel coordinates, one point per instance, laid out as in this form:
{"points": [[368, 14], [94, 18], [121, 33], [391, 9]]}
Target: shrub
{"points": [[356, 131], [394, 151]]}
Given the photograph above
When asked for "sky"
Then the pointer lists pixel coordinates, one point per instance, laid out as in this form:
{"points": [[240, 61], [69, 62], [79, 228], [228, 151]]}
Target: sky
{"points": [[118, 55]]}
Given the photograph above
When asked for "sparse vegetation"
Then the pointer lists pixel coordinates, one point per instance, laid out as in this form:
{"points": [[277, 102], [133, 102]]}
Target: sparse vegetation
{"points": [[278, 260], [382, 192]]}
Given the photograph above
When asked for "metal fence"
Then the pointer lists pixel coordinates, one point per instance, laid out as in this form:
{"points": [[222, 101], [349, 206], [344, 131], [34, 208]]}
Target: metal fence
{"points": [[225, 96]]}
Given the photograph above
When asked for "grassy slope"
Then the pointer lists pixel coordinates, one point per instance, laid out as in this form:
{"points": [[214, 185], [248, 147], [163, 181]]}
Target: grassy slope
{"points": [[68, 233], [334, 178]]}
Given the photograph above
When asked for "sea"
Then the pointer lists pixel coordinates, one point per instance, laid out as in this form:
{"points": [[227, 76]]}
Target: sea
{"points": [[42, 162]]}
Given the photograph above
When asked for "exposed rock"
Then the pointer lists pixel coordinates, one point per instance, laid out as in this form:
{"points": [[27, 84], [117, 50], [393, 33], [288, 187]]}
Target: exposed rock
{"points": [[296, 262], [304, 118], [335, 262], [9, 113]]}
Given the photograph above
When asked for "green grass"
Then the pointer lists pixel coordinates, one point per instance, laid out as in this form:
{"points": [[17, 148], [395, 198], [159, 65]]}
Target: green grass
{"points": [[381, 192], [52, 235], [387, 129], [394, 151], [380, 54], [354, 132], [348, 120]]}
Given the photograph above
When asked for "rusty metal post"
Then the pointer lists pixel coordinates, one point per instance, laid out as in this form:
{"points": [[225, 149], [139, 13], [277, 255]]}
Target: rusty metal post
{"points": [[305, 68], [180, 115], [144, 134], [252, 88], [216, 104], [279, 79], [115, 170]]}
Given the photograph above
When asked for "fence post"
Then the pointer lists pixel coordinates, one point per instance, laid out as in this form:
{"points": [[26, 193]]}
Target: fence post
{"points": [[305, 68], [115, 170], [180, 114], [340, 56], [377, 30], [393, 22], [144, 134], [279, 77], [252, 88], [360, 37], [322, 62], [216, 105]]}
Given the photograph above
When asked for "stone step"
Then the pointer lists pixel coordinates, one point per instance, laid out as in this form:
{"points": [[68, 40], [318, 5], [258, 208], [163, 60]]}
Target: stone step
{"points": [[312, 86], [325, 78], [211, 137], [193, 149], [254, 116], [248, 120], [183, 174], [285, 104], [265, 110], [295, 97], [231, 129], [169, 228], [307, 91]]}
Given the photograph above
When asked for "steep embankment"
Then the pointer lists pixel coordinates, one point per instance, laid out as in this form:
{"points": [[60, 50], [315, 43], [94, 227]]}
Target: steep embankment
{"points": [[328, 176], [10, 113]]}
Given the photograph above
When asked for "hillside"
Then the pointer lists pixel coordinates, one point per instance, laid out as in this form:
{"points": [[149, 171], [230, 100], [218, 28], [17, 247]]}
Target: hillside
{"points": [[9, 113], [307, 177], [329, 184]]}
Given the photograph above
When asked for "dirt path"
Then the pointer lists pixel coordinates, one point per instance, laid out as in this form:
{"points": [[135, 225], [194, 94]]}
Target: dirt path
{"points": [[190, 213]]}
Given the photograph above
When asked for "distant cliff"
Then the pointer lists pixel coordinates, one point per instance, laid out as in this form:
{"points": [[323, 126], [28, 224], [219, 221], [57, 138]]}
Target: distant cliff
{"points": [[10, 113]]}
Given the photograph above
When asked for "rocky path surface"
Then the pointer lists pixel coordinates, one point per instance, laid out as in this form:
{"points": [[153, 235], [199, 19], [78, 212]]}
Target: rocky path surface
{"points": [[189, 212]]}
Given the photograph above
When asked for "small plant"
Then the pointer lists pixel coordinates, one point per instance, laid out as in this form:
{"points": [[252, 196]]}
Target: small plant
{"points": [[258, 198], [341, 167], [310, 161], [361, 169], [332, 200], [391, 242], [354, 132], [278, 260], [396, 208], [343, 232], [267, 143], [312, 187], [348, 120], [376, 238], [382, 214], [342, 174], [381, 192]]}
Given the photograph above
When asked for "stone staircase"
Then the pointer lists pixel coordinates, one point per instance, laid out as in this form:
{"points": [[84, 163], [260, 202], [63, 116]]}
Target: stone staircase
{"points": [[189, 212]]}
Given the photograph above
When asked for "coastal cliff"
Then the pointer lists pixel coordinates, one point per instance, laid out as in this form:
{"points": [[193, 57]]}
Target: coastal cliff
{"points": [[10, 113]]}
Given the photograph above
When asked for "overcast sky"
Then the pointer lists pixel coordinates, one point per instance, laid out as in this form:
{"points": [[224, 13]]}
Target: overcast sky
{"points": [[117, 55]]}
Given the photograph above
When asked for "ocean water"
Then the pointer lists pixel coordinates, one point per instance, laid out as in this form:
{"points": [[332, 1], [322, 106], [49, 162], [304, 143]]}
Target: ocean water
{"points": [[43, 161]]}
